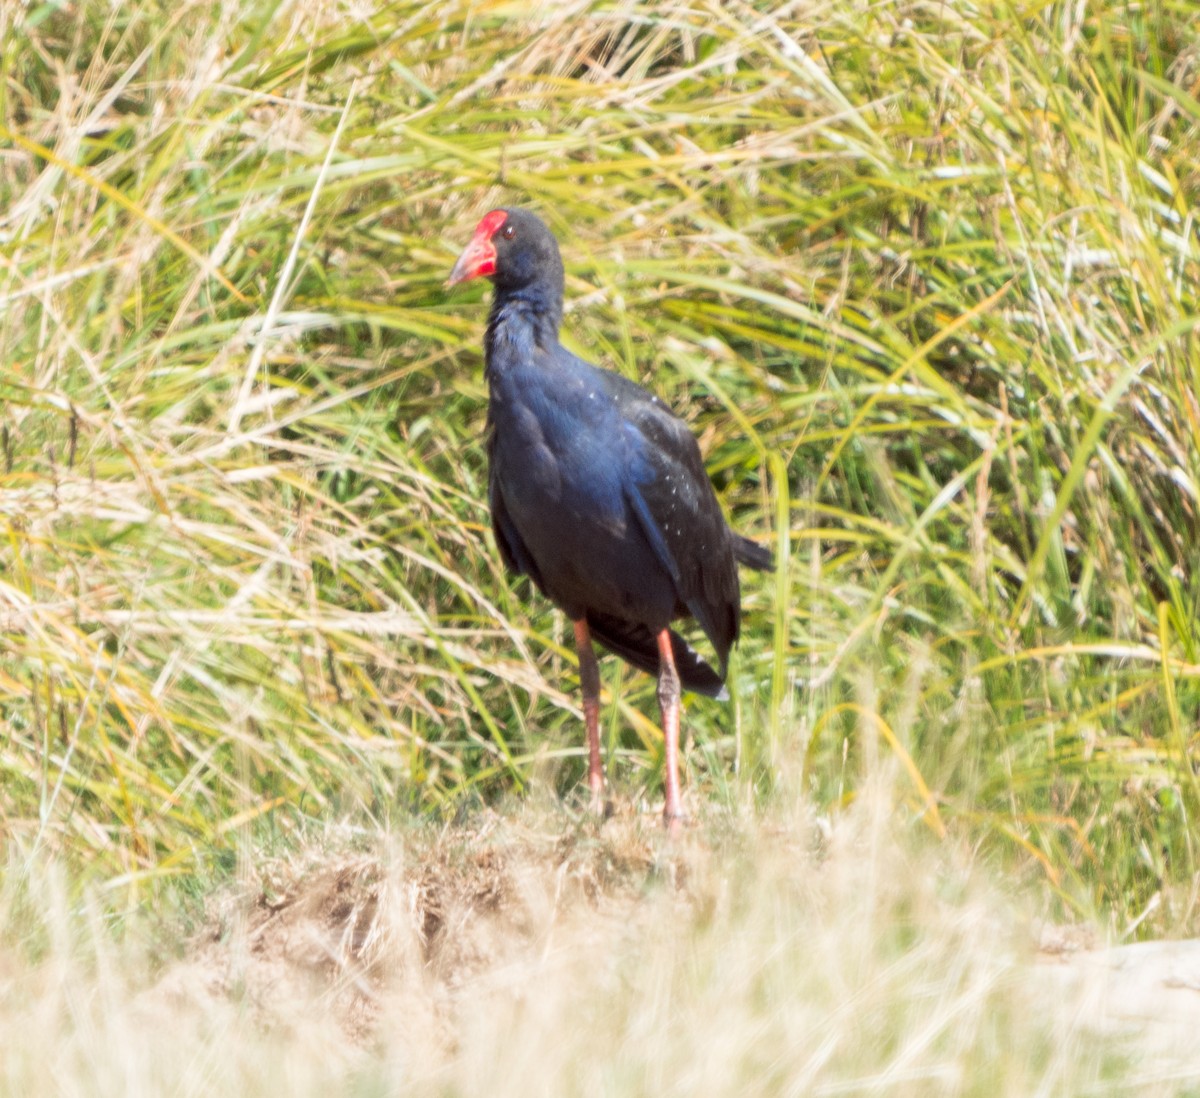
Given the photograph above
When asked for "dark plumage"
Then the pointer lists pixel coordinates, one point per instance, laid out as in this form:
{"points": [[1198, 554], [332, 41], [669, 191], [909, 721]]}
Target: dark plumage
{"points": [[598, 492]]}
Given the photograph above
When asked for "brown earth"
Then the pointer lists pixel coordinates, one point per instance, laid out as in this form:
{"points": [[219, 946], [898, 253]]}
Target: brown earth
{"points": [[335, 937]]}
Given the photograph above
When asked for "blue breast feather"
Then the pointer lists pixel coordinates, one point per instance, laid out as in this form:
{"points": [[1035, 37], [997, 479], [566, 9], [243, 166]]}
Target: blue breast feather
{"points": [[562, 415]]}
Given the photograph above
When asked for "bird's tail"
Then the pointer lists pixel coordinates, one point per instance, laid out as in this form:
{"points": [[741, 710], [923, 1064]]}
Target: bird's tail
{"points": [[637, 645], [753, 555]]}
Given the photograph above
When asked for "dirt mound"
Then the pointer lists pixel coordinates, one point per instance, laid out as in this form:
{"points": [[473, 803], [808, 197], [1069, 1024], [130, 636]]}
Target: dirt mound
{"points": [[329, 939], [518, 942]]}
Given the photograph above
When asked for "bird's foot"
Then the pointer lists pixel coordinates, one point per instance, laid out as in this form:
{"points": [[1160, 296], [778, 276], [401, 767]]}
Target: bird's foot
{"points": [[598, 804], [674, 822]]}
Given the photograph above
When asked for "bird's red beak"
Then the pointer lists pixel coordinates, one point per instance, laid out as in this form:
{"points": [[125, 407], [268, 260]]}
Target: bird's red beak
{"points": [[479, 257]]}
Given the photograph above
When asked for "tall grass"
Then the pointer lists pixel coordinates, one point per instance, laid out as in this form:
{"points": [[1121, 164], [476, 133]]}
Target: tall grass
{"points": [[922, 277]]}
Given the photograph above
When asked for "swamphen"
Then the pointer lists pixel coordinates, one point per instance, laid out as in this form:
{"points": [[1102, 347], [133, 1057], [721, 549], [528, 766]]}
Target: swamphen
{"points": [[598, 492]]}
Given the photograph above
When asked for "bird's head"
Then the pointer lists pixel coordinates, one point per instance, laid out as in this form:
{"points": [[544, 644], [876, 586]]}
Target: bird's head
{"points": [[514, 249]]}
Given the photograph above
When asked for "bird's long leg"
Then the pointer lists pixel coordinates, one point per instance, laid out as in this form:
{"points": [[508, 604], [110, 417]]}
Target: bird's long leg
{"points": [[589, 679], [668, 703]]}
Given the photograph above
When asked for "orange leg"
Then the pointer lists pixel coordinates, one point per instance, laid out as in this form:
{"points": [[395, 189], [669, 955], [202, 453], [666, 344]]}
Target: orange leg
{"points": [[668, 703], [589, 679]]}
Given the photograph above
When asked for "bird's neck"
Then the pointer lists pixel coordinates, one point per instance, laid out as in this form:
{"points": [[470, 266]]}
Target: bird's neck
{"points": [[520, 323]]}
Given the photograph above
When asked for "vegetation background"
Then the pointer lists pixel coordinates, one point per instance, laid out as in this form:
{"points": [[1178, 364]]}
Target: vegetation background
{"points": [[923, 278]]}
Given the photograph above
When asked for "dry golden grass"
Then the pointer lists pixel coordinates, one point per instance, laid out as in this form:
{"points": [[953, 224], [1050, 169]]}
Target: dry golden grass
{"points": [[527, 955]]}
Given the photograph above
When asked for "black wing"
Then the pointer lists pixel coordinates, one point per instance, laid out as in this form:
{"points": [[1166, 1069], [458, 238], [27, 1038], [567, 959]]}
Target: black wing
{"points": [[678, 512]]}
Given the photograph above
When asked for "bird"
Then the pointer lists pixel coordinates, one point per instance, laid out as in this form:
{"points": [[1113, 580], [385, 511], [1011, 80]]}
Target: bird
{"points": [[598, 493]]}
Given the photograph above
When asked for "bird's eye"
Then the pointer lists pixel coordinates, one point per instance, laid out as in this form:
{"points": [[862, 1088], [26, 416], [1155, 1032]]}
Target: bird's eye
{"points": [[508, 232]]}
